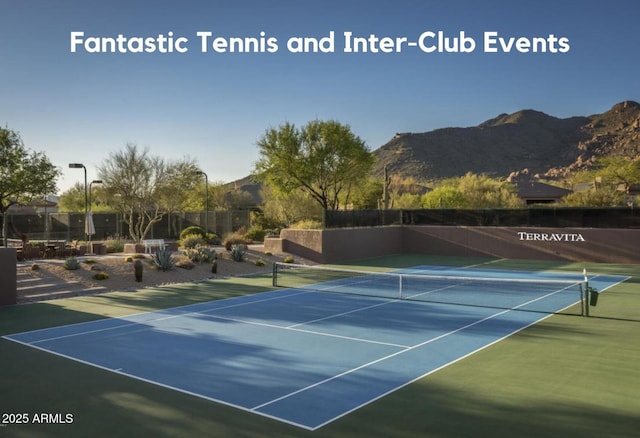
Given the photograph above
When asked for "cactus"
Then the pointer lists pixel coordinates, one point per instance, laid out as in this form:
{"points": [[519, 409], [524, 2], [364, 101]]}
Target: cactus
{"points": [[137, 270], [214, 266], [100, 276], [200, 254]]}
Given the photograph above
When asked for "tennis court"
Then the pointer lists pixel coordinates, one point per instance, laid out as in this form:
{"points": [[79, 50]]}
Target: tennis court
{"points": [[306, 355]]}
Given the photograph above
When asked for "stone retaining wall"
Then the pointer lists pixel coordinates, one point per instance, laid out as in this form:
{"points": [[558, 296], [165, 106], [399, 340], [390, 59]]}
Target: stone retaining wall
{"points": [[8, 276]]}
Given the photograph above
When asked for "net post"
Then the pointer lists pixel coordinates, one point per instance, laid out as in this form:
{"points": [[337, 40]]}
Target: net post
{"points": [[586, 292], [400, 286], [274, 275]]}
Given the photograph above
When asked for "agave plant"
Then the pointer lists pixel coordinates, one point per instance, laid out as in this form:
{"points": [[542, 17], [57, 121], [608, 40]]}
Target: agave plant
{"points": [[71, 263], [238, 251], [163, 260]]}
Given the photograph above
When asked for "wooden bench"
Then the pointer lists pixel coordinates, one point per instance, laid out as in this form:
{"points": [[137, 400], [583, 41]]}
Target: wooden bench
{"points": [[152, 245]]}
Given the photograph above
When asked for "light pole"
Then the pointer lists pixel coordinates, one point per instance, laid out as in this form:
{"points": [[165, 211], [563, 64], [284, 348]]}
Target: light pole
{"points": [[206, 201], [95, 181], [86, 205]]}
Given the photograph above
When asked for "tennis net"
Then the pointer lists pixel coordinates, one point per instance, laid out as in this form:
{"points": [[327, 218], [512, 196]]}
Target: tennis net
{"points": [[534, 292]]}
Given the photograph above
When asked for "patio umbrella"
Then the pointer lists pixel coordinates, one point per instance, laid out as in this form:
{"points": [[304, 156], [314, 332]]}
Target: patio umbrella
{"points": [[89, 227]]}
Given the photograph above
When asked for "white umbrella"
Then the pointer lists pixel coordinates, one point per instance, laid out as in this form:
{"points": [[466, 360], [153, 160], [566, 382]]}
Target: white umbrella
{"points": [[89, 227]]}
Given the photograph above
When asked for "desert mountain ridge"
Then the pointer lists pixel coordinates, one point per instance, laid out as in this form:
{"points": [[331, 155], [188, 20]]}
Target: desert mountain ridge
{"points": [[526, 142]]}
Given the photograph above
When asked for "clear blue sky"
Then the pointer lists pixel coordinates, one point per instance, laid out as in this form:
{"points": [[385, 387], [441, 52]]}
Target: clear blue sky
{"points": [[80, 107]]}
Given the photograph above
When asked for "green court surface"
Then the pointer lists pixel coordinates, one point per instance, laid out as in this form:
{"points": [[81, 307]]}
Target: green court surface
{"points": [[565, 376]]}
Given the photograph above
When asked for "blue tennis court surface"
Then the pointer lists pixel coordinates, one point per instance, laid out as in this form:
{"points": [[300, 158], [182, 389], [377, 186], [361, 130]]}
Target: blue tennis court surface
{"points": [[300, 356]]}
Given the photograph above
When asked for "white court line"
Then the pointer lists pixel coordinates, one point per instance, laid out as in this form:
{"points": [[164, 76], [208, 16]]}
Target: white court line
{"points": [[314, 332], [132, 323], [413, 347]]}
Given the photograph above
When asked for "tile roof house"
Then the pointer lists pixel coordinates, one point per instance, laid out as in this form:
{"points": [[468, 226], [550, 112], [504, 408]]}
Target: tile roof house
{"points": [[534, 192]]}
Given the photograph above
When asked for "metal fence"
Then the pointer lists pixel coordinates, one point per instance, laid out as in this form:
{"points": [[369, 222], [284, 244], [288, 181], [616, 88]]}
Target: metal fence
{"points": [[524, 217], [70, 226]]}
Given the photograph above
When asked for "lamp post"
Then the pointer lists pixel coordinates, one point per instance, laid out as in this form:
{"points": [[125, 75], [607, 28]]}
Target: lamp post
{"points": [[95, 181], [206, 201], [86, 205]]}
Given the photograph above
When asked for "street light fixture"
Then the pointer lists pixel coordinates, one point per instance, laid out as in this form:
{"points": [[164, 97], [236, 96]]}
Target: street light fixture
{"points": [[86, 205], [206, 201]]}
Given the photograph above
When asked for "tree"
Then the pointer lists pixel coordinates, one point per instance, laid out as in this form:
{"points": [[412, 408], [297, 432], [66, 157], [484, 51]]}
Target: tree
{"points": [[604, 197], [473, 191], [24, 175], [288, 208], [323, 159], [181, 178], [610, 179], [367, 195], [143, 187], [620, 171], [72, 200]]}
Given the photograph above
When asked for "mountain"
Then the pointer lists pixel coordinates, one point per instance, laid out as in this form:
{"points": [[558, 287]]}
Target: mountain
{"points": [[527, 141]]}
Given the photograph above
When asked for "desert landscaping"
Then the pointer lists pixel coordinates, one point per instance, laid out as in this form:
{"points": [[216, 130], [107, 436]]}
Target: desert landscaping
{"points": [[120, 270]]}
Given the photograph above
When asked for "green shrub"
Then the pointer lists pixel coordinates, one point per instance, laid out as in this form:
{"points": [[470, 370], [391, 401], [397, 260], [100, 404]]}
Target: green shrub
{"points": [[114, 245], [163, 260], [193, 230], [71, 263], [256, 234], [192, 240], [128, 259], [236, 238], [185, 263], [307, 224], [90, 262], [238, 252], [288, 259], [100, 276], [259, 262], [213, 239]]}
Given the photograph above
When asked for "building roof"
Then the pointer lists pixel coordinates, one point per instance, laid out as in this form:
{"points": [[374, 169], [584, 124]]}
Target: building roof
{"points": [[534, 191]]}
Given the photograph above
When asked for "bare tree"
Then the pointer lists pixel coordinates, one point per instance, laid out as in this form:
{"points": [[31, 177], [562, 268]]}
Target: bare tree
{"points": [[141, 187]]}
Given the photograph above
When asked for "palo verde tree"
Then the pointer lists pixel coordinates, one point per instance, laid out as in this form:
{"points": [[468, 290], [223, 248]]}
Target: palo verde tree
{"points": [[473, 191], [323, 159], [24, 174]]}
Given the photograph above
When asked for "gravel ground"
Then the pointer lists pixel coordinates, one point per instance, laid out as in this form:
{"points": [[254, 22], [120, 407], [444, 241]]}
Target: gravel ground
{"points": [[121, 274]]}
